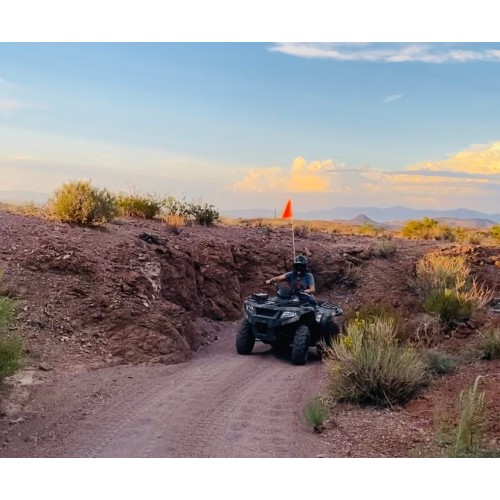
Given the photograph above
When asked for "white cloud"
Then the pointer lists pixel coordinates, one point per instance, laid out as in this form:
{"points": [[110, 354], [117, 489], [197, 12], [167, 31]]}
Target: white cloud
{"points": [[382, 52], [391, 98]]}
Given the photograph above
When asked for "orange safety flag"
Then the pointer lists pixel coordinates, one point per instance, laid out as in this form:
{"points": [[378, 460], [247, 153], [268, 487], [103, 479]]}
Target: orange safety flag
{"points": [[287, 211]]}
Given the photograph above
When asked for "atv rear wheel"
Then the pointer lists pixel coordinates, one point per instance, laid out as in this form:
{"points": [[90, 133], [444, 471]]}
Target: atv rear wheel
{"points": [[330, 331], [245, 339], [300, 346]]}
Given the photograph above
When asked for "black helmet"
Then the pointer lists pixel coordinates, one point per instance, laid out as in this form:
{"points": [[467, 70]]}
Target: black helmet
{"points": [[300, 265]]}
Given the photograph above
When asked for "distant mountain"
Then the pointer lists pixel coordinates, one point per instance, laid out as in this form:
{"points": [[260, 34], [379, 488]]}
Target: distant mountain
{"points": [[382, 215], [468, 223], [360, 220]]}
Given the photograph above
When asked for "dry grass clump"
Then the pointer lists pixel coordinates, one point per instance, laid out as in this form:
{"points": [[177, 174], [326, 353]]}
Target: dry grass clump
{"points": [[384, 248], [174, 222], [369, 365], [79, 202], [446, 288], [469, 435]]}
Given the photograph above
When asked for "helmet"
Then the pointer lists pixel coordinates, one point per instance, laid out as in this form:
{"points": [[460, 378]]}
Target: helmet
{"points": [[300, 265]]}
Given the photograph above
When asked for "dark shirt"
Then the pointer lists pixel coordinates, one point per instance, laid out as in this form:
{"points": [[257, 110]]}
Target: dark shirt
{"points": [[302, 283]]}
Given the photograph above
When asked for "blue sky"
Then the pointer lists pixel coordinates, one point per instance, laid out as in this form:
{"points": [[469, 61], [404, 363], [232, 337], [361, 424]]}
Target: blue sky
{"points": [[246, 125]]}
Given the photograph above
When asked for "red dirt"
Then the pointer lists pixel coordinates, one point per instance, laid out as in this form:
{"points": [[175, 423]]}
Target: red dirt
{"points": [[107, 316]]}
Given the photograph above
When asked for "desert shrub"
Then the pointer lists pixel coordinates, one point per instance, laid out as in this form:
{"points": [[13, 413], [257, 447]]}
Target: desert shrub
{"points": [[372, 312], [420, 229], [446, 289], [174, 222], [439, 362], [474, 238], [445, 233], [489, 344], [10, 344], [368, 229], [470, 432], [447, 305], [10, 354], [204, 213], [174, 206], [427, 329], [81, 203], [439, 272], [369, 365], [384, 248], [495, 232], [302, 231], [146, 206], [315, 414]]}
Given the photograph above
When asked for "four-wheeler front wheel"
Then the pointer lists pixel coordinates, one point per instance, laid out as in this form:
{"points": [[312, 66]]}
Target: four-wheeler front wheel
{"points": [[300, 346], [245, 339], [330, 331]]}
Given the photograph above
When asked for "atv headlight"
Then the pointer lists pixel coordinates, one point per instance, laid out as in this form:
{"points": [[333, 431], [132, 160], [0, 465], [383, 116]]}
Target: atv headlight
{"points": [[288, 314], [249, 308], [318, 317]]}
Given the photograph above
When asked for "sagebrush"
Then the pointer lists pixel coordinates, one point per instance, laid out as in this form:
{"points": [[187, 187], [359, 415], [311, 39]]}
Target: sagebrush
{"points": [[146, 206], [369, 365], [80, 202]]}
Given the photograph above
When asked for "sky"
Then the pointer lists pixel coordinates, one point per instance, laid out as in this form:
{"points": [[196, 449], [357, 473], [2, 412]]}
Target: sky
{"points": [[251, 124]]}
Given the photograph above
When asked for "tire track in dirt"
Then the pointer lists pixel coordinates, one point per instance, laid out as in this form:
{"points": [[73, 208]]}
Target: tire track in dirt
{"points": [[219, 404]]}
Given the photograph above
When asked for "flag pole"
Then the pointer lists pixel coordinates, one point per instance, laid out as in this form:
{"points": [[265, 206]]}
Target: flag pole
{"points": [[293, 241]]}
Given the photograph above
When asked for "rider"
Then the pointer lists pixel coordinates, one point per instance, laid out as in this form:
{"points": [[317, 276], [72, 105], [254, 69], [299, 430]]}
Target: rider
{"points": [[299, 279]]}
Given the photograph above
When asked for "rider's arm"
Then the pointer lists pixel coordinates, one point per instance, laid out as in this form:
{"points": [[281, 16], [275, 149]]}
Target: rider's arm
{"points": [[311, 288], [276, 279]]}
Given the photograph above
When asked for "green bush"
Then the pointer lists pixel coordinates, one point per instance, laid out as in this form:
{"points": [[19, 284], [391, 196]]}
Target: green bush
{"points": [[439, 362], [181, 208], [10, 354], [369, 365], [315, 414], [134, 205], [424, 229], [81, 203], [202, 213], [447, 305], [489, 344], [495, 232], [10, 344]]}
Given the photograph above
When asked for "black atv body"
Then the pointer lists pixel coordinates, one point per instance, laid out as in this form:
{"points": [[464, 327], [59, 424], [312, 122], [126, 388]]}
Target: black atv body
{"points": [[291, 319]]}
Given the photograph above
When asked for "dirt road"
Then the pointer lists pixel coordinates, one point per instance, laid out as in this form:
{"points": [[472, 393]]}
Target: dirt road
{"points": [[219, 404]]}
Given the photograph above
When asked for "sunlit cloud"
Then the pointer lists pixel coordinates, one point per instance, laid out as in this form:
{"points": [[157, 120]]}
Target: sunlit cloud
{"points": [[389, 53], [419, 187], [478, 159], [391, 98], [302, 177]]}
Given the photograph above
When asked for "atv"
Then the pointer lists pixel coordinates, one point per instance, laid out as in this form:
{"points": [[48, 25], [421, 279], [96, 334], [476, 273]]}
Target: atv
{"points": [[290, 319]]}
